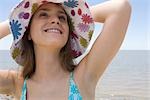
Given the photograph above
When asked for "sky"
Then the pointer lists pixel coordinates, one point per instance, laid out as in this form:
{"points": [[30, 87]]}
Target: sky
{"points": [[137, 36]]}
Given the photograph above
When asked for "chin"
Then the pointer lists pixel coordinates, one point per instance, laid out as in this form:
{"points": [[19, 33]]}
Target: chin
{"points": [[51, 42], [58, 44]]}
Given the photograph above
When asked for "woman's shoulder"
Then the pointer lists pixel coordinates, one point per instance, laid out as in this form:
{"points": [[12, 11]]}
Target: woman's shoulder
{"points": [[10, 82], [17, 76], [18, 80]]}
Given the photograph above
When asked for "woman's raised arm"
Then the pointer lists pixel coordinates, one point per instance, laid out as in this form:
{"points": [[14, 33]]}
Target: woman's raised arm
{"points": [[7, 85], [4, 29], [115, 15]]}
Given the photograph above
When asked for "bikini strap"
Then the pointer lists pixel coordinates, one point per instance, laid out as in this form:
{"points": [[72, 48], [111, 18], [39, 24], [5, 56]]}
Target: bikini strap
{"points": [[24, 90], [71, 76]]}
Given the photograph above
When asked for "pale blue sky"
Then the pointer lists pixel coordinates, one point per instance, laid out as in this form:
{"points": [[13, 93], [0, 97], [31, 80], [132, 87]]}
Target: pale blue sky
{"points": [[137, 37]]}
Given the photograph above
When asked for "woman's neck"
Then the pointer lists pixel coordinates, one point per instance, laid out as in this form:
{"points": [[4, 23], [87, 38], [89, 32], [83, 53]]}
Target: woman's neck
{"points": [[48, 65]]}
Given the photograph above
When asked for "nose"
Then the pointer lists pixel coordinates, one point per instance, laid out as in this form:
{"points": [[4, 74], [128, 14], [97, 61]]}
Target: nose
{"points": [[54, 20]]}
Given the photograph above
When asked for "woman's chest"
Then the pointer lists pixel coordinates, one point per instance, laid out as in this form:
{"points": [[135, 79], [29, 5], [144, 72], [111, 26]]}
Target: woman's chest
{"points": [[60, 90], [46, 92], [48, 95], [53, 91]]}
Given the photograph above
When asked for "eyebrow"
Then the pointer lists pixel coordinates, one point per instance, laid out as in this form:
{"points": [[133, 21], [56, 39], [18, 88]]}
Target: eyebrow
{"points": [[59, 11]]}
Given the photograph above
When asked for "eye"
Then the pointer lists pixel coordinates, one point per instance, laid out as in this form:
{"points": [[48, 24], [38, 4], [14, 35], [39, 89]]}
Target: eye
{"points": [[43, 14], [62, 18]]}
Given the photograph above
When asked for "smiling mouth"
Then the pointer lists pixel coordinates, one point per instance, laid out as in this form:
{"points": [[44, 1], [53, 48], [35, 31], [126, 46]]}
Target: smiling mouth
{"points": [[53, 30]]}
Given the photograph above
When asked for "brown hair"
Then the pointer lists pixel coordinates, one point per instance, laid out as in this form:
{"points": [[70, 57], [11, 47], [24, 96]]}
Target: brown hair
{"points": [[29, 65]]}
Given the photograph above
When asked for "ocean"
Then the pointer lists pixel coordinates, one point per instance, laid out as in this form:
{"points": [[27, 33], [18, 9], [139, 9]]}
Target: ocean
{"points": [[126, 78]]}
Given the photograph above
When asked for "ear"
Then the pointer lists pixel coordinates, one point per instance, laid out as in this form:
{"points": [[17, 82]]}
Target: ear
{"points": [[29, 37]]}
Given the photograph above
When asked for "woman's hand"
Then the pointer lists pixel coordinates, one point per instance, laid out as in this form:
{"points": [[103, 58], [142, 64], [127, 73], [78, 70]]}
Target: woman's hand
{"points": [[4, 29], [102, 11]]}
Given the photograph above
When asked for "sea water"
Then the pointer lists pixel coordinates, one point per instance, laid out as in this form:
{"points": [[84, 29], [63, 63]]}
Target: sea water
{"points": [[126, 78]]}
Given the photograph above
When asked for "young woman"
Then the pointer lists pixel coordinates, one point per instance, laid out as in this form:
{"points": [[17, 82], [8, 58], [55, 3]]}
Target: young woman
{"points": [[48, 38]]}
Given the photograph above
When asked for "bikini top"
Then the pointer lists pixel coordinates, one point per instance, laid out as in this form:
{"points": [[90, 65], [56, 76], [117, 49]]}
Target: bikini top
{"points": [[74, 93]]}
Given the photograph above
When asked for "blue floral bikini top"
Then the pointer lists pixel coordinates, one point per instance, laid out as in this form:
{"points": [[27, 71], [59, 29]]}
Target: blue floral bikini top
{"points": [[74, 93]]}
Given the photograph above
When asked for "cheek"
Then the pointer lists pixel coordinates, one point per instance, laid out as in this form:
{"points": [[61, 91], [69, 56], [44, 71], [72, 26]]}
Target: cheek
{"points": [[67, 31], [66, 36], [35, 27], [34, 32]]}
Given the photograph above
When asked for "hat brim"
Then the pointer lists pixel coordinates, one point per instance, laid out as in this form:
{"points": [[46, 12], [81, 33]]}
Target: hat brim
{"points": [[80, 17]]}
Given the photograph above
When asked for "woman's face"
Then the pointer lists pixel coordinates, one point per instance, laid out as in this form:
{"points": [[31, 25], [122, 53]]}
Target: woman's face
{"points": [[49, 26]]}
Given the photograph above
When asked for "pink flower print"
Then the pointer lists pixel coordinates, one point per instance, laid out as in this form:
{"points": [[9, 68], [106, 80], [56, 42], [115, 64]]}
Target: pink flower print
{"points": [[72, 12], [26, 15], [21, 15], [87, 19], [83, 27], [86, 5], [79, 11], [74, 36], [27, 4], [75, 53]]}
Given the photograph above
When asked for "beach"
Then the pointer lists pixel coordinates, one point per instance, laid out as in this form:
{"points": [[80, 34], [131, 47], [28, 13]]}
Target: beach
{"points": [[126, 78]]}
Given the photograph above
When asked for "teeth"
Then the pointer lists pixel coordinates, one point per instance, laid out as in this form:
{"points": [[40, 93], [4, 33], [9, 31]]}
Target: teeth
{"points": [[53, 30]]}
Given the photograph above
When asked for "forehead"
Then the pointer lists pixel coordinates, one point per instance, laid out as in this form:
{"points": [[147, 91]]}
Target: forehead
{"points": [[51, 6]]}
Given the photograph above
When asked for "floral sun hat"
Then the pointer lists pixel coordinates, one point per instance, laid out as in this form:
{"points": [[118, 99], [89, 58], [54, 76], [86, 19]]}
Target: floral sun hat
{"points": [[80, 16]]}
